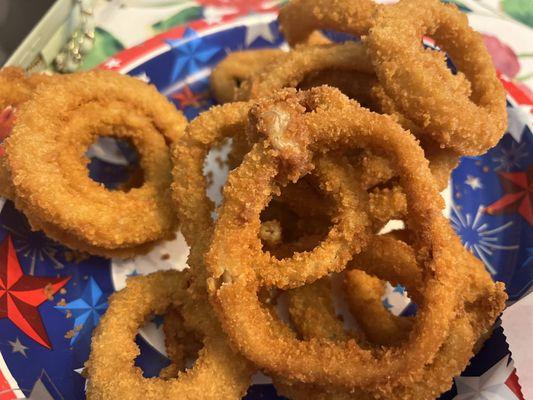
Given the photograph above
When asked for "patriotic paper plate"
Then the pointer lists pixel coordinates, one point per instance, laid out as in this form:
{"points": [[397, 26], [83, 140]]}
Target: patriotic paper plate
{"points": [[45, 338]]}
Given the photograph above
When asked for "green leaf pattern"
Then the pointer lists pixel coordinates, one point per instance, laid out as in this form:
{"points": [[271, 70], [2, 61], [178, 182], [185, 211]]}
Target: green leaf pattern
{"points": [[180, 18], [521, 10], [105, 46]]}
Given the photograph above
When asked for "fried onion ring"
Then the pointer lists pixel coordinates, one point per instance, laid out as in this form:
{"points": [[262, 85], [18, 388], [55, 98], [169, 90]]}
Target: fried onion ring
{"points": [[292, 69], [237, 67], [180, 343], [363, 292], [468, 124], [111, 370], [189, 181], [298, 19], [468, 331], [482, 304], [347, 66], [16, 89], [81, 213]]}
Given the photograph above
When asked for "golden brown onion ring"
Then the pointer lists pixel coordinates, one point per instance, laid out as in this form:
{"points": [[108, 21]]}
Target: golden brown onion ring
{"points": [[300, 18], [237, 67], [422, 86], [16, 87], [81, 213], [111, 370]]}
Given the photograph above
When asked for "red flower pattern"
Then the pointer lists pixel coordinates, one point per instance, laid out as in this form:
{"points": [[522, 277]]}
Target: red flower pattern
{"points": [[504, 58]]}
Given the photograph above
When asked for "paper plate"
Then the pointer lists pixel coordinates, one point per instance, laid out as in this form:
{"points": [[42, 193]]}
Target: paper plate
{"points": [[44, 341]]}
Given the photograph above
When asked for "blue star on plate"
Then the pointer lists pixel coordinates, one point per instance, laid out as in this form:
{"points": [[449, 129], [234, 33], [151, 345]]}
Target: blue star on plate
{"points": [[387, 304], [399, 289], [190, 54], [87, 309]]}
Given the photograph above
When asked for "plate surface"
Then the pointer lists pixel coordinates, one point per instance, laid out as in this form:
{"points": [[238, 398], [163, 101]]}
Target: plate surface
{"points": [[44, 342]]}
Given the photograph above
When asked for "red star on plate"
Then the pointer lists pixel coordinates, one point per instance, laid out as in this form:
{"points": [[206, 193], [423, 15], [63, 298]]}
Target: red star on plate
{"points": [[518, 188], [20, 294], [512, 383], [187, 98]]}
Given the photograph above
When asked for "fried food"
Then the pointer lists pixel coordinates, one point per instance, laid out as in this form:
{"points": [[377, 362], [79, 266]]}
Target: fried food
{"points": [[481, 305], [315, 175], [80, 212], [347, 67], [356, 85], [297, 65], [181, 344], [331, 120], [189, 186], [111, 370], [410, 74], [236, 68], [364, 293], [16, 89], [298, 19]]}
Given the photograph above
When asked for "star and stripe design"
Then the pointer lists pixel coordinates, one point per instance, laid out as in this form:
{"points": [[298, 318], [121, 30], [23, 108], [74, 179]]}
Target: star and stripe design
{"points": [[21, 295], [498, 382], [518, 194], [192, 53]]}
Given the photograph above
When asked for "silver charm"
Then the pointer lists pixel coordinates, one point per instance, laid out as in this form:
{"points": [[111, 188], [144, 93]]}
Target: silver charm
{"points": [[82, 41]]}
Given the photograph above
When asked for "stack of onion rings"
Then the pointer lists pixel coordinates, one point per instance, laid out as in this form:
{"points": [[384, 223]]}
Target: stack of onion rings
{"points": [[235, 280], [314, 177]]}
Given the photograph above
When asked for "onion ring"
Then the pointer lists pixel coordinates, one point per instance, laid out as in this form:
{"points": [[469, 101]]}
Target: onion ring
{"points": [[386, 204], [468, 124], [99, 221], [189, 187], [363, 292], [300, 63], [195, 212], [237, 67], [469, 330], [300, 18], [355, 85], [234, 281], [180, 343], [16, 89], [111, 370], [312, 313]]}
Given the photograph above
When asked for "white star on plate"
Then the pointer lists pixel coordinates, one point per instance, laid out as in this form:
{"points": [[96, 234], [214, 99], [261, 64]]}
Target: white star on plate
{"points": [[489, 386], [474, 182], [17, 347], [143, 77], [518, 118], [254, 32], [112, 63], [40, 392], [80, 371]]}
